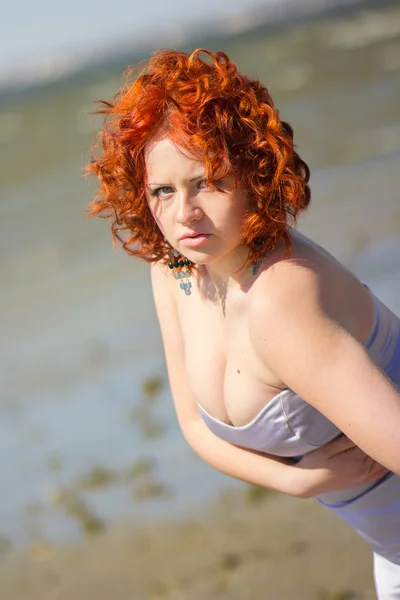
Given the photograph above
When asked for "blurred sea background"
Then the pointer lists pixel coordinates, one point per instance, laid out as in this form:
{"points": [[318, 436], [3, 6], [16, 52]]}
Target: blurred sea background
{"points": [[88, 433]]}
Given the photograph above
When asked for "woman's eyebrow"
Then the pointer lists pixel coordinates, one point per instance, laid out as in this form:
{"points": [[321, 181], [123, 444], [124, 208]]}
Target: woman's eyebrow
{"points": [[190, 180]]}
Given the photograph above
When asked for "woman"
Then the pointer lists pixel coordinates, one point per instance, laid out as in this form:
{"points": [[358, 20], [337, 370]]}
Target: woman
{"points": [[273, 348]]}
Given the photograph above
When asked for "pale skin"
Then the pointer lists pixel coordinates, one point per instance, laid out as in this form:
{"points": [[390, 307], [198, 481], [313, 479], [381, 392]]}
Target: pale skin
{"points": [[238, 340]]}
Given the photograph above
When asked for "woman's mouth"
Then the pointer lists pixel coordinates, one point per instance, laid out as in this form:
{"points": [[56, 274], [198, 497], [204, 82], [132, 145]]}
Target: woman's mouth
{"points": [[193, 241]]}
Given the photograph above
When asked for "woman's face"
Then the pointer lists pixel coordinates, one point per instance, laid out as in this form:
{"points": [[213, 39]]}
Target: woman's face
{"points": [[204, 225]]}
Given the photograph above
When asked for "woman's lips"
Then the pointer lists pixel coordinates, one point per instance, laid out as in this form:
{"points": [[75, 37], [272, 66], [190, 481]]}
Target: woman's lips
{"points": [[195, 240]]}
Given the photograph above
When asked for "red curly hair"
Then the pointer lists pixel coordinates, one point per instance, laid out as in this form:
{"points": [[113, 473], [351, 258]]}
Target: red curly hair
{"points": [[217, 115]]}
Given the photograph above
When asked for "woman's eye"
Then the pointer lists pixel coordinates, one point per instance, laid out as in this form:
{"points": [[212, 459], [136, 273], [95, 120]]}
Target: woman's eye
{"points": [[203, 185], [162, 191]]}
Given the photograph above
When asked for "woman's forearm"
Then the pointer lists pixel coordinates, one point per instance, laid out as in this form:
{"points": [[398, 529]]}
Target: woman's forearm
{"points": [[340, 464], [267, 471]]}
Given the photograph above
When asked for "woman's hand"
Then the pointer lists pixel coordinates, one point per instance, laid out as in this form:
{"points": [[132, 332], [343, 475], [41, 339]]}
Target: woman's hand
{"points": [[338, 465]]}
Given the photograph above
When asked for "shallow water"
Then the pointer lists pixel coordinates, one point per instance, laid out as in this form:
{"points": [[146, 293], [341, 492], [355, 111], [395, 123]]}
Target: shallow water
{"points": [[79, 330]]}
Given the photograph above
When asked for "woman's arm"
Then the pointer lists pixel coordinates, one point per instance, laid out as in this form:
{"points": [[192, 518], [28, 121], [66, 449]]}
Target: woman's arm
{"points": [[338, 465], [303, 344]]}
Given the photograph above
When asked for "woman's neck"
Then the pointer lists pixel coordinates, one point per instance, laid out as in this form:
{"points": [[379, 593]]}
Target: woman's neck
{"points": [[230, 272]]}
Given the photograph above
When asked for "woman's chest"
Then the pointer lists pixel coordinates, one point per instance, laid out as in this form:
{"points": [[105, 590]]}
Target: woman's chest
{"points": [[222, 367]]}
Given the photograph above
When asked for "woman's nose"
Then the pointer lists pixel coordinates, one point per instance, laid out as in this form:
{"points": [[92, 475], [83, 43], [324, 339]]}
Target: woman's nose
{"points": [[188, 210]]}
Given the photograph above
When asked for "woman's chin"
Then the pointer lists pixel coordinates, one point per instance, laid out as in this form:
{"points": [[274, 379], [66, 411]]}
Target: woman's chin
{"points": [[197, 256]]}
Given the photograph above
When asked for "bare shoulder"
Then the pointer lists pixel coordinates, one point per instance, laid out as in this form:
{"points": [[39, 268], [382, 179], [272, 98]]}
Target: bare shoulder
{"points": [[161, 285], [294, 298], [165, 303], [159, 274], [288, 284], [306, 298], [308, 280]]}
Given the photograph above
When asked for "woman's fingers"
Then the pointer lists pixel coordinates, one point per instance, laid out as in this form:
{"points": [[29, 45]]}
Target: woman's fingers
{"points": [[342, 465], [338, 445], [367, 467], [376, 470]]}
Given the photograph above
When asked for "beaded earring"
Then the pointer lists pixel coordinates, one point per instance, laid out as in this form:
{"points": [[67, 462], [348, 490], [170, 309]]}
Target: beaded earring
{"points": [[180, 265]]}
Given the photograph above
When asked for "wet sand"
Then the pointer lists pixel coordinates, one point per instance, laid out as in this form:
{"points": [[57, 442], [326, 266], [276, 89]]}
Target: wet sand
{"points": [[250, 545]]}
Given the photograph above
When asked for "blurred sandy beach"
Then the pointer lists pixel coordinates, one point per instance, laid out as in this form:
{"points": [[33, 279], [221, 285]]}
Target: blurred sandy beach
{"points": [[97, 481], [249, 546]]}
